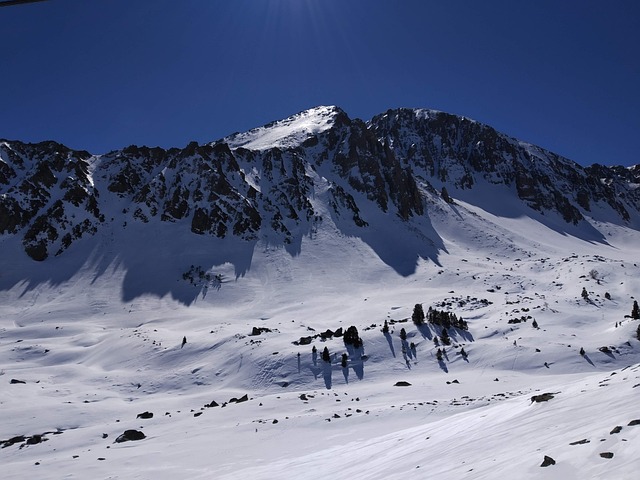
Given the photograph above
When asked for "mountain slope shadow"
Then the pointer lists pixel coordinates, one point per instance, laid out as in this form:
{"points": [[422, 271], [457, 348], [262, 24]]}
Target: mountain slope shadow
{"points": [[153, 260], [399, 244]]}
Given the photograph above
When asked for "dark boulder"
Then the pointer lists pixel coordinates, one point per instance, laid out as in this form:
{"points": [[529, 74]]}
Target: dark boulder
{"points": [[130, 435], [547, 461]]}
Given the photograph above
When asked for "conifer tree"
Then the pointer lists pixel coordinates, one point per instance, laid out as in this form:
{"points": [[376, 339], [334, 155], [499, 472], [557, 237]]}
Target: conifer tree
{"points": [[403, 334], [344, 360], [444, 336], [584, 293], [385, 328], [635, 311], [418, 315], [325, 355]]}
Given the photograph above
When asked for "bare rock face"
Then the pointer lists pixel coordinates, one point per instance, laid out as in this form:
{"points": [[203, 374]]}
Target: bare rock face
{"points": [[51, 196]]}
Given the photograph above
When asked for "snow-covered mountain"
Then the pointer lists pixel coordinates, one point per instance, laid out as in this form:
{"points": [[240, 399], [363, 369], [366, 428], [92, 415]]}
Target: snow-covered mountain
{"points": [[261, 184], [265, 244]]}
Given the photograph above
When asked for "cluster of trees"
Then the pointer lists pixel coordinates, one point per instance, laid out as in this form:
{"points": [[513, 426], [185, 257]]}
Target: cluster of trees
{"points": [[438, 317], [351, 337]]}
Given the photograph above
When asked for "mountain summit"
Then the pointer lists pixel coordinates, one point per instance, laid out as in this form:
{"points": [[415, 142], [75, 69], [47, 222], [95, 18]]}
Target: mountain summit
{"points": [[276, 183]]}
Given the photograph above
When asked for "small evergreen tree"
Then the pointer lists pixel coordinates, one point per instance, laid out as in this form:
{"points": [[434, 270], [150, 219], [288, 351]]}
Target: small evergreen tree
{"points": [[418, 315], [439, 355], [635, 311], [403, 334], [385, 328], [436, 342], [534, 324], [463, 353], [584, 293], [607, 295], [582, 352], [325, 355], [444, 337], [344, 360]]}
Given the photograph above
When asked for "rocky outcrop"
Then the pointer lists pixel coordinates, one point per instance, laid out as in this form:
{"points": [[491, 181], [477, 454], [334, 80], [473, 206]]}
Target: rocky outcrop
{"points": [[262, 183]]}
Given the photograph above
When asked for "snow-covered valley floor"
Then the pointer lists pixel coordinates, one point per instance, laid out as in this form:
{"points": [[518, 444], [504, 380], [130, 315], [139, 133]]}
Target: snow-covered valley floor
{"points": [[80, 360]]}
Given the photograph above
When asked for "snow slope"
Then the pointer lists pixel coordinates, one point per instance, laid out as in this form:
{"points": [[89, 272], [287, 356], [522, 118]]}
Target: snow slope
{"points": [[92, 358]]}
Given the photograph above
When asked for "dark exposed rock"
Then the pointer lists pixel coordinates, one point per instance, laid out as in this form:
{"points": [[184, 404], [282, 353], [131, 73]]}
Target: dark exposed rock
{"points": [[34, 440], [547, 461], [615, 430], [543, 397], [328, 333], [243, 398], [633, 423], [25, 440], [13, 441], [606, 455], [15, 381], [130, 435], [212, 404], [402, 384], [580, 442], [145, 415], [259, 330]]}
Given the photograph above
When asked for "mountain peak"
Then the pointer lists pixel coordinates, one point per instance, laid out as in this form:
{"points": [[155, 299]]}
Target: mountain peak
{"points": [[290, 132]]}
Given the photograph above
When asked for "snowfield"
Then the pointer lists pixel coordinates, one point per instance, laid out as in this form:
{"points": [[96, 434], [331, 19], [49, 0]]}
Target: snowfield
{"points": [[81, 357]]}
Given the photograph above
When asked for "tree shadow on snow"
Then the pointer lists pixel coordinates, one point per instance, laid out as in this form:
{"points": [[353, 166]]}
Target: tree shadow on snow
{"points": [[326, 374], [389, 338], [586, 357], [425, 331], [443, 366], [356, 360]]}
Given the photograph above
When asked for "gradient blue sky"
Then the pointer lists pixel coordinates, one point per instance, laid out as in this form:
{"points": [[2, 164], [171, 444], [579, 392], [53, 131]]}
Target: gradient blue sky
{"points": [[103, 74]]}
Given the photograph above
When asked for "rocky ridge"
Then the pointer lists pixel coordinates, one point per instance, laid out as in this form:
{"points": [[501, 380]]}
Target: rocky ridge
{"points": [[263, 183]]}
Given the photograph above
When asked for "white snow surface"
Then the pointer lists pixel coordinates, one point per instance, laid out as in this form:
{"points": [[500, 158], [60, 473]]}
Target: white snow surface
{"points": [[290, 132], [92, 357]]}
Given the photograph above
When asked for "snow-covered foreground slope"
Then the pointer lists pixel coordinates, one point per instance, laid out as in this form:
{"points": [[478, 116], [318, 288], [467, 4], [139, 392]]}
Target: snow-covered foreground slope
{"points": [[92, 357]]}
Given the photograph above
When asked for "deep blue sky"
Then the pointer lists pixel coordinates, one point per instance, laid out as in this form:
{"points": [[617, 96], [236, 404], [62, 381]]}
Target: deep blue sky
{"points": [[102, 74]]}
